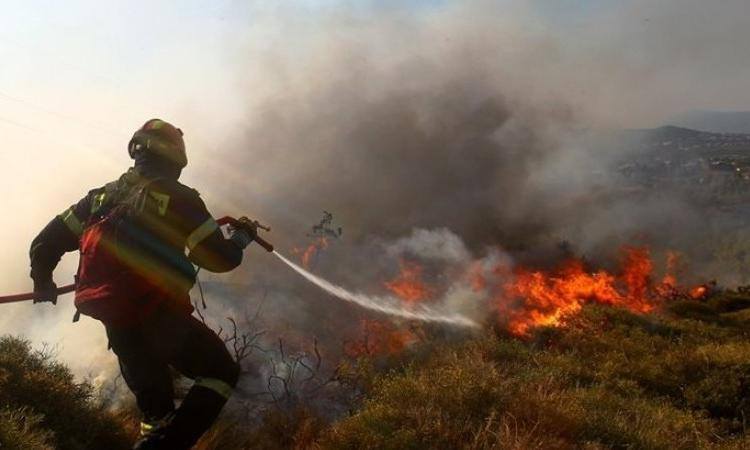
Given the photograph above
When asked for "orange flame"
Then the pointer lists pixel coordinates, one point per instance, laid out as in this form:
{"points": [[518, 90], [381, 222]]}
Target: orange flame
{"points": [[699, 292], [408, 285], [537, 298], [526, 298], [307, 254], [476, 278], [387, 338]]}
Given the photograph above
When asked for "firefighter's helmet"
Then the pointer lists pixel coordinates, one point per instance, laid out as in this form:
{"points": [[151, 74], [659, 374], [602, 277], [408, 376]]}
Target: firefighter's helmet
{"points": [[160, 138]]}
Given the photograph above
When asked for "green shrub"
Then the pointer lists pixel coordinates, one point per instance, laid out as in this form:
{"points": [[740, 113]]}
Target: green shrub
{"points": [[58, 410]]}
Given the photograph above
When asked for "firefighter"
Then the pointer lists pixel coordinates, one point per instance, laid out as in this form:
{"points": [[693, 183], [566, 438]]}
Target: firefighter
{"points": [[139, 237]]}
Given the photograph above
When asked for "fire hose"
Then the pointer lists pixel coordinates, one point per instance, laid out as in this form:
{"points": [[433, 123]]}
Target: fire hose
{"points": [[242, 222]]}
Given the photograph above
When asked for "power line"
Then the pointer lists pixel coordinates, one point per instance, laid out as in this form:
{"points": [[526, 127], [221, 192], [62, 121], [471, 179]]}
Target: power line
{"points": [[64, 116], [44, 135]]}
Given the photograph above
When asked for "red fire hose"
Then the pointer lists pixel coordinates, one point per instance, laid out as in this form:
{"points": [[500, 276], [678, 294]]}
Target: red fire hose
{"points": [[72, 287], [30, 295]]}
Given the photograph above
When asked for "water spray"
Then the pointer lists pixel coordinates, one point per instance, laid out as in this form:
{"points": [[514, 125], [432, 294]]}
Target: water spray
{"points": [[383, 304], [387, 305]]}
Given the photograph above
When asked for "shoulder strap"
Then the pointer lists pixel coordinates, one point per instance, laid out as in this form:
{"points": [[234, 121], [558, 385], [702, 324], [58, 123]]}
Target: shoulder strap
{"points": [[118, 193], [139, 195]]}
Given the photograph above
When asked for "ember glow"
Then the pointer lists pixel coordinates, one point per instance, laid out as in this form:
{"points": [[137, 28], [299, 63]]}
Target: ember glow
{"points": [[379, 337], [698, 292]]}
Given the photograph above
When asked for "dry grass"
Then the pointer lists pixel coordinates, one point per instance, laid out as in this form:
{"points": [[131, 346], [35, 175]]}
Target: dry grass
{"points": [[608, 380]]}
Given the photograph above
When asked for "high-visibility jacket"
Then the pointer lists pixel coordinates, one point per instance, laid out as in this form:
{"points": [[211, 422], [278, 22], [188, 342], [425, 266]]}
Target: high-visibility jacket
{"points": [[179, 225]]}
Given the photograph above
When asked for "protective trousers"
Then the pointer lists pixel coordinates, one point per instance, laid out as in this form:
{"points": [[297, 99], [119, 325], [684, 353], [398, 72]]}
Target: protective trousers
{"points": [[172, 338]]}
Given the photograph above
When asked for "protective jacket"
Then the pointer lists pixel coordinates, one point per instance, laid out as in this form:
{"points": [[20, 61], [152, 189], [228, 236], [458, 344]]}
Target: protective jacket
{"points": [[139, 237], [173, 233]]}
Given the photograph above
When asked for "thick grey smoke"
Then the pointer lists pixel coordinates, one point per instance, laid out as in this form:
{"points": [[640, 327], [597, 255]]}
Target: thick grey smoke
{"points": [[467, 118], [399, 123]]}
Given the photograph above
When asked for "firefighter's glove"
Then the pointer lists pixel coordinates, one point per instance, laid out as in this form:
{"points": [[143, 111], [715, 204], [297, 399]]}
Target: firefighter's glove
{"points": [[250, 226], [45, 290], [241, 238]]}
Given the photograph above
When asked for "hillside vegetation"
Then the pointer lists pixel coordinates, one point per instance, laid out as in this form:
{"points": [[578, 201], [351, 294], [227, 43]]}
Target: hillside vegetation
{"points": [[43, 407], [608, 379]]}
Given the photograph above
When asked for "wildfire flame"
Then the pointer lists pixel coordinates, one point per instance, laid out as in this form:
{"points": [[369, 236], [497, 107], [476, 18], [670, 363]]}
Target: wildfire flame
{"points": [[307, 254], [538, 298], [526, 298], [386, 338], [408, 284], [476, 278]]}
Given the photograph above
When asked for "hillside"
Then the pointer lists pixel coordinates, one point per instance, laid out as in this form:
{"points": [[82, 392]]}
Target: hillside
{"points": [[715, 121], [608, 379], [679, 379], [712, 169]]}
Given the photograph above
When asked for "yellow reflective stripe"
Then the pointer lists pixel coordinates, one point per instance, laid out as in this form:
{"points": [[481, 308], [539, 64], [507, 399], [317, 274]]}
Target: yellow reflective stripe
{"points": [[98, 202], [202, 232], [146, 428], [72, 222], [162, 201], [216, 385]]}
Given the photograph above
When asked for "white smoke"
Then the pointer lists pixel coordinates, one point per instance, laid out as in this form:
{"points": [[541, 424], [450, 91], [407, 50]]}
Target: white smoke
{"points": [[440, 244]]}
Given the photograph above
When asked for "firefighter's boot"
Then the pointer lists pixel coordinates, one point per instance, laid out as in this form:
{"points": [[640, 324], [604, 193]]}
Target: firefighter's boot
{"points": [[187, 424], [151, 433]]}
